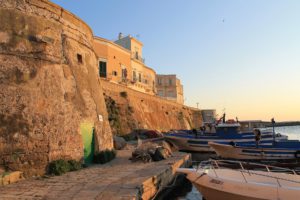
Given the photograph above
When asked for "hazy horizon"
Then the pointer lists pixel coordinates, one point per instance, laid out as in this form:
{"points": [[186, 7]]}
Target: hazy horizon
{"points": [[241, 56]]}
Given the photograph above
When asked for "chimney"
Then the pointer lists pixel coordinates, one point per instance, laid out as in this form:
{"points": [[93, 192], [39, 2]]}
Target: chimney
{"points": [[120, 36]]}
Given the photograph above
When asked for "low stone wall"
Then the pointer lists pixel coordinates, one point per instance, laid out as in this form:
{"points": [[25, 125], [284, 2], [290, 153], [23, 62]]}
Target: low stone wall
{"points": [[165, 175], [137, 110]]}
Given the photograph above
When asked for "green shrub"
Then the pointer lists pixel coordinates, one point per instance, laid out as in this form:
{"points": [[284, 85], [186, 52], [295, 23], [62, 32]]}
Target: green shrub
{"points": [[59, 167], [74, 165], [105, 156]]}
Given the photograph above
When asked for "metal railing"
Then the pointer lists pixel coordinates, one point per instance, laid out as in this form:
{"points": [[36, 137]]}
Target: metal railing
{"points": [[137, 57], [221, 164]]}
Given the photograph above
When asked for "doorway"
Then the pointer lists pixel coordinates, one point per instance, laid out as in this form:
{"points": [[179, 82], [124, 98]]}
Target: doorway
{"points": [[87, 133]]}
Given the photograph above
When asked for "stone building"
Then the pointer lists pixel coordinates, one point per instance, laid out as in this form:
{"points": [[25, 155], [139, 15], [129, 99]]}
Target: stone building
{"points": [[114, 61], [52, 104], [143, 77], [169, 87], [209, 115]]}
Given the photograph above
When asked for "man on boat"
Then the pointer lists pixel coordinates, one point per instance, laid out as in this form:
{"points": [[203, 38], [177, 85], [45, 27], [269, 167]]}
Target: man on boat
{"points": [[257, 134]]}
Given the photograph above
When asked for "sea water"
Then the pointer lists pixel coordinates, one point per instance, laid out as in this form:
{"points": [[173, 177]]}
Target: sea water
{"points": [[293, 133]]}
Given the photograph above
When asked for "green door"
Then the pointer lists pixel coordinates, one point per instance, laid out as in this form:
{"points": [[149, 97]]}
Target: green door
{"points": [[87, 132]]}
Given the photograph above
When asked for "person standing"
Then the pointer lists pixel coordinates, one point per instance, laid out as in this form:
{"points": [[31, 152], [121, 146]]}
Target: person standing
{"points": [[257, 134]]}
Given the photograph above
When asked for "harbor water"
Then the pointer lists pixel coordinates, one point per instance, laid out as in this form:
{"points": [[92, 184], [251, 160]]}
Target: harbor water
{"points": [[293, 133]]}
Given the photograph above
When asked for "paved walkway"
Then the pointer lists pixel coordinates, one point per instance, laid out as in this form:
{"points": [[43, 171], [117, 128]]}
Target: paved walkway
{"points": [[119, 179]]}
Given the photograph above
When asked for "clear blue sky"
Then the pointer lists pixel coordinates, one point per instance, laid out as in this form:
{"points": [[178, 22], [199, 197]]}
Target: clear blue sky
{"points": [[243, 56]]}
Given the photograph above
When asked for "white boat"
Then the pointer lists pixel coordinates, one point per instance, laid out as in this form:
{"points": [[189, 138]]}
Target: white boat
{"points": [[288, 150], [215, 182]]}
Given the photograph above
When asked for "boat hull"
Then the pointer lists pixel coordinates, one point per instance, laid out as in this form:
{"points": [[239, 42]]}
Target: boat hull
{"points": [[200, 143], [251, 153], [234, 185], [213, 188]]}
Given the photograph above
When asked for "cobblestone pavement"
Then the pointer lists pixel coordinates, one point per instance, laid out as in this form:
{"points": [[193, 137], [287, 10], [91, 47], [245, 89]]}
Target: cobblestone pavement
{"points": [[119, 179]]}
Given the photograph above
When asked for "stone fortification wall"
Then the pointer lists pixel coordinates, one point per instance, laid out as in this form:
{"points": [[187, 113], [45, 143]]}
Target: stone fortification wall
{"points": [[138, 110], [49, 85]]}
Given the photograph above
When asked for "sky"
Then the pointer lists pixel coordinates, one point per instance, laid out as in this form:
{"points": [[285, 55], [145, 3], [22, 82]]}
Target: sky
{"points": [[237, 56]]}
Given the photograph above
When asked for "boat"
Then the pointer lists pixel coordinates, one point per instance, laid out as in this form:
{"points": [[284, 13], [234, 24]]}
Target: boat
{"points": [[288, 150], [226, 132], [215, 181]]}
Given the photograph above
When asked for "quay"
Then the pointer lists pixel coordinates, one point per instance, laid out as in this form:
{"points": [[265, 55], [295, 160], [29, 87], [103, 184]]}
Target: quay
{"points": [[118, 179]]}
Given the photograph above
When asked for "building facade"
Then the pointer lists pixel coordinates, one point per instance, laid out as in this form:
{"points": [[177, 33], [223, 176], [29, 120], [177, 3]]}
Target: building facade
{"points": [[143, 77], [169, 87], [209, 115], [121, 62], [114, 63]]}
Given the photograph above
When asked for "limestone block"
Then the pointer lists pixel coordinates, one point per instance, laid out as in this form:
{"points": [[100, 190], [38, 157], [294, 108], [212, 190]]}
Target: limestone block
{"points": [[119, 143], [11, 177]]}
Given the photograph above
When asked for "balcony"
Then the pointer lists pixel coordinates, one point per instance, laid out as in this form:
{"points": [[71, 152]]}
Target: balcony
{"points": [[137, 57]]}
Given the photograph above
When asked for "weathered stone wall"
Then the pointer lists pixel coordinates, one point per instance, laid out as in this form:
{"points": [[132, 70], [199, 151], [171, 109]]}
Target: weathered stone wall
{"points": [[136, 110], [48, 85]]}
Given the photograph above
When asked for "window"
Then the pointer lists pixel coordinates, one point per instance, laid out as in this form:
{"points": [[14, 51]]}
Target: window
{"points": [[159, 81], [114, 73], [102, 69], [124, 74], [171, 94], [140, 77], [134, 75], [79, 58], [160, 93], [170, 82]]}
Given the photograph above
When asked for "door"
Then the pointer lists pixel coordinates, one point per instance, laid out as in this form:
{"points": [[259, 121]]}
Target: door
{"points": [[102, 69], [87, 133]]}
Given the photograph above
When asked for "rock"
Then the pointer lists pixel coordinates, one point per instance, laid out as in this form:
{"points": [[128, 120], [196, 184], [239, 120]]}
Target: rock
{"points": [[160, 154], [167, 147], [142, 155], [11, 177], [119, 143], [148, 152]]}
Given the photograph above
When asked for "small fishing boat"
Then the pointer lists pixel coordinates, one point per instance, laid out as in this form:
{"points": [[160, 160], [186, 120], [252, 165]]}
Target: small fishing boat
{"points": [[226, 132], [288, 150], [217, 182]]}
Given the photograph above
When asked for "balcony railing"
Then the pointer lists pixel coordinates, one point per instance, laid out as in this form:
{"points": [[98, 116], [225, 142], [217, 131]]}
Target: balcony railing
{"points": [[137, 57]]}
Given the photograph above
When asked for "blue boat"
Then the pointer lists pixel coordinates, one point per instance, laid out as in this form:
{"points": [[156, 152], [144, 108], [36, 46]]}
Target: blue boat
{"points": [[280, 150], [226, 133]]}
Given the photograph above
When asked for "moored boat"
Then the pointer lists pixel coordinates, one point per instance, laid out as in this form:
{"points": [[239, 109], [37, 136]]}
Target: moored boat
{"points": [[221, 133], [215, 182], [288, 150]]}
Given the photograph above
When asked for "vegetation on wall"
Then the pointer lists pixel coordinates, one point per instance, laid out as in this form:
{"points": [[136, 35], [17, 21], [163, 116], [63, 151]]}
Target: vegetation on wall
{"points": [[59, 167], [113, 115]]}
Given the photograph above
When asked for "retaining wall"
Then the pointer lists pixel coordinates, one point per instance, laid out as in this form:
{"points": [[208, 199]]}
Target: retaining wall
{"points": [[138, 110]]}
